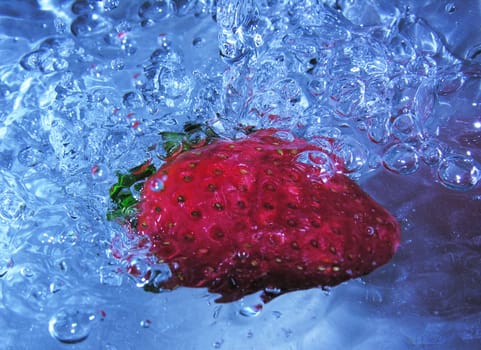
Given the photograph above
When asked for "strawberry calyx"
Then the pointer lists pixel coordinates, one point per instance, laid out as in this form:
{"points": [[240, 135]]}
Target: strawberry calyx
{"points": [[122, 194]]}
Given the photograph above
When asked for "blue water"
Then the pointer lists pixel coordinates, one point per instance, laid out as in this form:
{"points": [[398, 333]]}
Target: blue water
{"points": [[86, 86]]}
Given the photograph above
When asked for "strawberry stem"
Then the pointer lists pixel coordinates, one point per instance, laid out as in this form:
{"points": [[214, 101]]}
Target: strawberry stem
{"points": [[122, 193]]}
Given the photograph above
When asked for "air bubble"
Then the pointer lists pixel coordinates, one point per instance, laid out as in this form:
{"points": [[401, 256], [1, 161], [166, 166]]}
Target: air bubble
{"points": [[69, 237], [449, 83], [82, 7], [450, 8], [401, 91], [353, 154], [128, 46], [284, 135], [117, 64], [57, 285], [132, 100], [319, 161], [157, 185], [110, 5], [258, 40], [347, 95], [317, 87], [425, 40], [277, 314], [424, 101], [110, 275], [164, 42], [60, 25], [197, 138], [99, 172], [401, 158], [44, 61], [404, 127], [71, 326], [401, 50], [233, 14], [198, 42], [218, 344], [173, 82], [331, 32], [89, 25], [326, 133], [140, 270], [145, 323], [251, 311], [231, 47], [375, 62], [11, 206], [272, 291], [31, 61], [289, 90], [377, 130], [459, 173], [430, 152], [154, 10], [63, 266], [474, 53], [31, 156], [374, 161]]}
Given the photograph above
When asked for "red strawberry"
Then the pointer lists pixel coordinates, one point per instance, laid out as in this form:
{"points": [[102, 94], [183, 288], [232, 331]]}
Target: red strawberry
{"points": [[242, 216]]}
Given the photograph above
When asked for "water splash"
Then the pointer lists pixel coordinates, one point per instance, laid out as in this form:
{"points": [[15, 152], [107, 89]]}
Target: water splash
{"points": [[87, 86]]}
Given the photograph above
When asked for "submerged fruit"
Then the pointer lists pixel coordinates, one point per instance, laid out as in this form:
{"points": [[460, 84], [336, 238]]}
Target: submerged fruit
{"points": [[241, 216]]}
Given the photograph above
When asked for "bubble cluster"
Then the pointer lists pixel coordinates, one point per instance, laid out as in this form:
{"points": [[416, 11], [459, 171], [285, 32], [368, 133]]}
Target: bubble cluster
{"points": [[51, 56], [382, 87]]}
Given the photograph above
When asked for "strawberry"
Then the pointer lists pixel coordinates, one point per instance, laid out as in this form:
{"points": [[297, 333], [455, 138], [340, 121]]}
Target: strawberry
{"points": [[242, 216]]}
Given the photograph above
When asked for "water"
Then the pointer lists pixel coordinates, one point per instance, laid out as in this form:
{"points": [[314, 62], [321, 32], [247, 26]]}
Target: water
{"points": [[85, 88]]}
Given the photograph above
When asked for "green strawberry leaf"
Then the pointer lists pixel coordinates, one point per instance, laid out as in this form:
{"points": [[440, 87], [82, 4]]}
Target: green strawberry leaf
{"points": [[122, 193], [195, 135], [173, 142]]}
